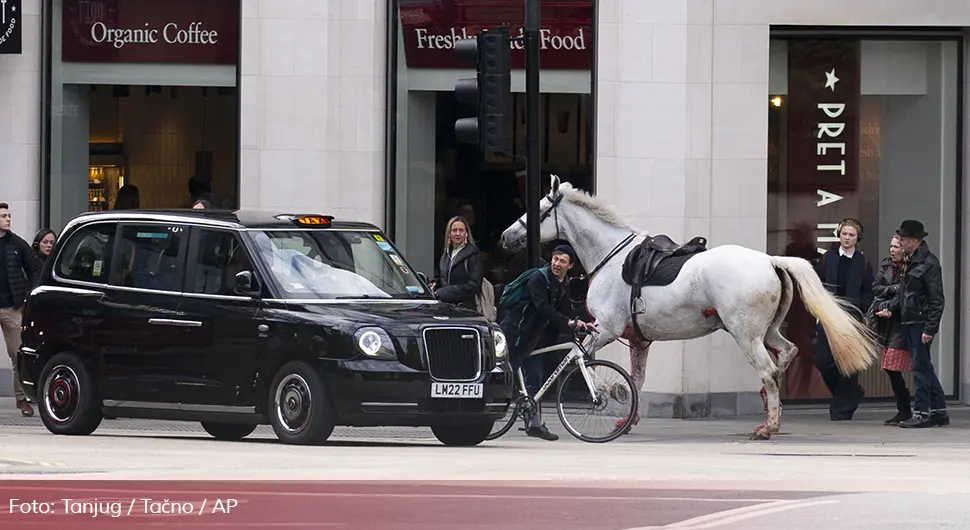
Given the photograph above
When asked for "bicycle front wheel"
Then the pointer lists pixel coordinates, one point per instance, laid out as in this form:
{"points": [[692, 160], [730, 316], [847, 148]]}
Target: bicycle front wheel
{"points": [[503, 425], [612, 405]]}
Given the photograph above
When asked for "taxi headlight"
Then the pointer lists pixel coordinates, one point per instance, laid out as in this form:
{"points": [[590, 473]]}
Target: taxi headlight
{"points": [[375, 342], [501, 346]]}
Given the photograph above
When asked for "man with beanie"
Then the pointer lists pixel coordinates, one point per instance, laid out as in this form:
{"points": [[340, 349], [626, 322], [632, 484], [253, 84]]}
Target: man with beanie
{"points": [[921, 304], [524, 325]]}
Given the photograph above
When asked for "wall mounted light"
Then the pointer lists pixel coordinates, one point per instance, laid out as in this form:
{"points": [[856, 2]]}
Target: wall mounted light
{"points": [[776, 101]]}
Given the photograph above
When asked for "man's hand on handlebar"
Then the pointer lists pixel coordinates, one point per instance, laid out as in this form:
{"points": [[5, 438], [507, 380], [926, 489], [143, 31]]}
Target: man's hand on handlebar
{"points": [[579, 325]]}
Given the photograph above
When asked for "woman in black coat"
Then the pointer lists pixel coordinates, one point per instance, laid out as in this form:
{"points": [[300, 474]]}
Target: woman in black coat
{"points": [[460, 274], [884, 319], [44, 243]]}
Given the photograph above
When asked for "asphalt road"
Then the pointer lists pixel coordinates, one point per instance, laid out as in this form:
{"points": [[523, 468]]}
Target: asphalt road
{"points": [[667, 474]]}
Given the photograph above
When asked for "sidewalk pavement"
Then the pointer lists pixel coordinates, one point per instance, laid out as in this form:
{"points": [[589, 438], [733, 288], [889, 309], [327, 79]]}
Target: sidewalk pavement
{"points": [[800, 425]]}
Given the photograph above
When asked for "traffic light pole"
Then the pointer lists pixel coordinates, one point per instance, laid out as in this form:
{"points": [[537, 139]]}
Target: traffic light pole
{"points": [[533, 190]]}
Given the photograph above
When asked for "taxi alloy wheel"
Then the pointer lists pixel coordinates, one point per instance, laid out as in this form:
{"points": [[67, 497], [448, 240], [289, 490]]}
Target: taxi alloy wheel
{"points": [[299, 405], [68, 401]]}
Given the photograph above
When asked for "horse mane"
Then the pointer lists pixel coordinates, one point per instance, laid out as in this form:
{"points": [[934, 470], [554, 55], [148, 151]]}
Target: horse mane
{"points": [[594, 205]]}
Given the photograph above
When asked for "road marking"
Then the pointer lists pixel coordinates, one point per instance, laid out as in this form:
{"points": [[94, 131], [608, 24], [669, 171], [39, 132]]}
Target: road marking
{"points": [[722, 518], [244, 492]]}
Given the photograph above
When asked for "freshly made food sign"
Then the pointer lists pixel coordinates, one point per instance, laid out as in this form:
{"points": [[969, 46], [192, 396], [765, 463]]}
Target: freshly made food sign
{"points": [[171, 33]]}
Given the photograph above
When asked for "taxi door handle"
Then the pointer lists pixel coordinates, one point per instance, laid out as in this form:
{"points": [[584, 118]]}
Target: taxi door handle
{"points": [[172, 322]]}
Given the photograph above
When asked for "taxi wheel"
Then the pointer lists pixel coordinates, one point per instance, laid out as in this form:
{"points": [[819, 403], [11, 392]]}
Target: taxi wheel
{"points": [[299, 405], [228, 431], [67, 398], [463, 435]]}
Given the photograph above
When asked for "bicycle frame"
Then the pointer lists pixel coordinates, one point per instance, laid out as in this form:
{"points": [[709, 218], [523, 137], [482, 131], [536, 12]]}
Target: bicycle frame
{"points": [[577, 356]]}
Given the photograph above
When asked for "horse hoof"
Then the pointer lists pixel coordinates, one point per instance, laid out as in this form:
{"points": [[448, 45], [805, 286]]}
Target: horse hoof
{"points": [[761, 433]]}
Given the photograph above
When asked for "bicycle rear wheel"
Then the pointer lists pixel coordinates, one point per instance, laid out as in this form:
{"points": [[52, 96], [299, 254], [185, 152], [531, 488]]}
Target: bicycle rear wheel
{"points": [[505, 424], [615, 400]]}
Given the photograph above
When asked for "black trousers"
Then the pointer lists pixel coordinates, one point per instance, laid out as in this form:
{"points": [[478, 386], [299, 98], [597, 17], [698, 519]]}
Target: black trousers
{"points": [[846, 391]]}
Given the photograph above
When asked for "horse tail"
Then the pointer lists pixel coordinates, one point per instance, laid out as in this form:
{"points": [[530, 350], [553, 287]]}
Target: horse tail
{"points": [[854, 345]]}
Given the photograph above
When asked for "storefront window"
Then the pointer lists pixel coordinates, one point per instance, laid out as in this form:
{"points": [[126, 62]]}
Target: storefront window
{"points": [[433, 176], [142, 96], [865, 129]]}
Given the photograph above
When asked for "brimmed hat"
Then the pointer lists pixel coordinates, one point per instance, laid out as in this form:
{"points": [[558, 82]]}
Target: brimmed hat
{"points": [[911, 228]]}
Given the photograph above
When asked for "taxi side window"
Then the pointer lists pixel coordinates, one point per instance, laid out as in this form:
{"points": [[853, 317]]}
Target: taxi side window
{"points": [[86, 256], [149, 256], [221, 256]]}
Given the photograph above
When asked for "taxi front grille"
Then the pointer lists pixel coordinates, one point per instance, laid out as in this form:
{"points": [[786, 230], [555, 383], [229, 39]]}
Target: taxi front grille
{"points": [[454, 354]]}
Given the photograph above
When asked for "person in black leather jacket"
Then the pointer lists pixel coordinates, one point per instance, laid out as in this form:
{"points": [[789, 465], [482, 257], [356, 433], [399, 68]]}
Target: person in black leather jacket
{"points": [[921, 304]]}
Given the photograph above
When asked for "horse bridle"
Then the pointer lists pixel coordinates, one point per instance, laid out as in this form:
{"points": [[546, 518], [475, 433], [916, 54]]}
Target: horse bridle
{"points": [[554, 202]]}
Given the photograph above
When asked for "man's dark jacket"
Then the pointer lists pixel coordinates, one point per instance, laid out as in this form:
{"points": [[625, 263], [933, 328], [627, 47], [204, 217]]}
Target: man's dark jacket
{"points": [[525, 325], [921, 295], [23, 268]]}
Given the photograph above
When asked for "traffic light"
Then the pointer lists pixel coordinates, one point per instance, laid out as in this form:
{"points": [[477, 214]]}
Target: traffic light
{"points": [[490, 91]]}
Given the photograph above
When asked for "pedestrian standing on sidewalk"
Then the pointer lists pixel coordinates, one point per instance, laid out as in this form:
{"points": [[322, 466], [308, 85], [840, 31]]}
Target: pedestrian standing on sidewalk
{"points": [[19, 274], [921, 304], [884, 319], [847, 274]]}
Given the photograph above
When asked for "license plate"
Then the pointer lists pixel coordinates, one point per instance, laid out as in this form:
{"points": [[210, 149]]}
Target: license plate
{"points": [[456, 390]]}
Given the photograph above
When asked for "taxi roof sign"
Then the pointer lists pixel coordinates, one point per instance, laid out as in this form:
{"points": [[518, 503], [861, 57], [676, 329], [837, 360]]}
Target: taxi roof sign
{"points": [[309, 220]]}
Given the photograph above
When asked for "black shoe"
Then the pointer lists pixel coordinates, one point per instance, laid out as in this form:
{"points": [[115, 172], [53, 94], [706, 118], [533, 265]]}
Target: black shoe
{"points": [[939, 418], [541, 432], [900, 417], [918, 421]]}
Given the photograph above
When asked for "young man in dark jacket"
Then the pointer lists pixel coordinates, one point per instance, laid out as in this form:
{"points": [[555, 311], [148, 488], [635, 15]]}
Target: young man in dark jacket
{"points": [[540, 310], [921, 304], [19, 274]]}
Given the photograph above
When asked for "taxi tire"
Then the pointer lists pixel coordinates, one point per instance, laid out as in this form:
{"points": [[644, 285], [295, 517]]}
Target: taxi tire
{"points": [[87, 416], [230, 432], [322, 419], [465, 435]]}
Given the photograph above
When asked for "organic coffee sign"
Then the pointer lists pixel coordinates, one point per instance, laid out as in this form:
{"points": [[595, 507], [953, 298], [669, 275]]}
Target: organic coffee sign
{"points": [[432, 28], [11, 20], [136, 31]]}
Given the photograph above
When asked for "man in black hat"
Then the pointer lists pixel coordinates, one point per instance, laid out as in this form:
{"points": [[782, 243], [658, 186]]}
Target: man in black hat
{"points": [[921, 305], [525, 324]]}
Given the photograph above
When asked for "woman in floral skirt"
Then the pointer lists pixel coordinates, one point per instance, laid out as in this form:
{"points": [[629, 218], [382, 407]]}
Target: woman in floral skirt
{"points": [[884, 318]]}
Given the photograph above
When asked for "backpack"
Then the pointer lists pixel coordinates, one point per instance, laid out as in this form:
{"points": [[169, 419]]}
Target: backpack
{"points": [[485, 299], [512, 294]]}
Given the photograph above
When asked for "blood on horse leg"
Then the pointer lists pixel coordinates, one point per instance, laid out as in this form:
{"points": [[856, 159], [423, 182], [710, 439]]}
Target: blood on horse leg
{"points": [[764, 393]]}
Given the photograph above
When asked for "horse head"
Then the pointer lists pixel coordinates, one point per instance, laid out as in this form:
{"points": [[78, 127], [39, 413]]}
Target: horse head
{"points": [[514, 237]]}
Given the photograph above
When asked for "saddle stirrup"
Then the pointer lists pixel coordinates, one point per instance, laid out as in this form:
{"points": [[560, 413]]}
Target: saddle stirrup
{"points": [[638, 309]]}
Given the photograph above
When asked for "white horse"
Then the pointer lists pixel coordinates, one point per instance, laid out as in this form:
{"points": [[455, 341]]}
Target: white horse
{"points": [[742, 291]]}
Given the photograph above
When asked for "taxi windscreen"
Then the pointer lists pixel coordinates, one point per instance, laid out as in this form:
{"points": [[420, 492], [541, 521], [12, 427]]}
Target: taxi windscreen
{"points": [[329, 264]]}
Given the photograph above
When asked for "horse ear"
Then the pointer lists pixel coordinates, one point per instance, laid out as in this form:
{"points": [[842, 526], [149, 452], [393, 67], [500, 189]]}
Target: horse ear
{"points": [[554, 182]]}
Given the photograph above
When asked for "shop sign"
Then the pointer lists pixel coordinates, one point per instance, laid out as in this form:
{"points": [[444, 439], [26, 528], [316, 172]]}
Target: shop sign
{"points": [[11, 20], [431, 28], [823, 167], [137, 31]]}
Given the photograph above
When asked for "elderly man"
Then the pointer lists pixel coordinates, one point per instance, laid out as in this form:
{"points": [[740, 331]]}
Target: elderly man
{"points": [[921, 306]]}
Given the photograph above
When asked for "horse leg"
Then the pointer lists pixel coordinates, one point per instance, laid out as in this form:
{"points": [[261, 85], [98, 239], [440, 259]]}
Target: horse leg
{"points": [[763, 364], [639, 351], [785, 352]]}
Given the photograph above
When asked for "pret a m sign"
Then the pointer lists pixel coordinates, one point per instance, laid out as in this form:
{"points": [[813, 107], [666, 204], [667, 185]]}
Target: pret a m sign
{"points": [[11, 21], [140, 31], [823, 168]]}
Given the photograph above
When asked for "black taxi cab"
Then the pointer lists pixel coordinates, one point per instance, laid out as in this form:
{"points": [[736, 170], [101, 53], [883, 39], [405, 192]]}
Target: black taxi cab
{"points": [[241, 318]]}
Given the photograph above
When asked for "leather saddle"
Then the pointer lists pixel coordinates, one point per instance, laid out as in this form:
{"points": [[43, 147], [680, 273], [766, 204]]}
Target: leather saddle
{"points": [[642, 263]]}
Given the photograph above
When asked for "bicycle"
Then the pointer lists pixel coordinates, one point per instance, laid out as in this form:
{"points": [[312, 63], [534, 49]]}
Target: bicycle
{"points": [[600, 392]]}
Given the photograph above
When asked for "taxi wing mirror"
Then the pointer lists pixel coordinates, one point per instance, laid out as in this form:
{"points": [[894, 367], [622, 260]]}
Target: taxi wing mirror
{"points": [[246, 284]]}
